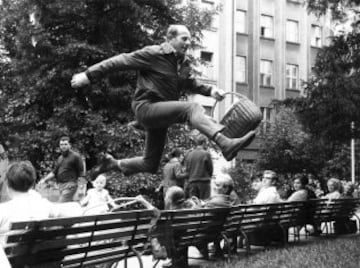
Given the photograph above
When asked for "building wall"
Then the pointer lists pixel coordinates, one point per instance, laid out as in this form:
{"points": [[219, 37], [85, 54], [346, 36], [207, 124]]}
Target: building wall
{"points": [[254, 47]]}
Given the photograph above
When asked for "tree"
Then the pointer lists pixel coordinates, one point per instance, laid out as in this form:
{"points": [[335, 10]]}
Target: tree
{"points": [[64, 37], [336, 7], [283, 147]]}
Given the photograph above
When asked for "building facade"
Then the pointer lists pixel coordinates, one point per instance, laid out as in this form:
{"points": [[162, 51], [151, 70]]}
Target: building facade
{"points": [[264, 49]]}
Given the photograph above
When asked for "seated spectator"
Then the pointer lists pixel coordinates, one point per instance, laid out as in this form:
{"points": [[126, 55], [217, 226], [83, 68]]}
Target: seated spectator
{"points": [[98, 198], [319, 188], [222, 186], [301, 193], [349, 189], [335, 189], [268, 192], [25, 203], [234, 198], [175, 199]]}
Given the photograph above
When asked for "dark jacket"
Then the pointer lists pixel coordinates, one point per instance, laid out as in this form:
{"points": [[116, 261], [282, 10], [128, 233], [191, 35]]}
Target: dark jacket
{"points": [[199, 165], [69, 168], [159, 77], [173, 175]]}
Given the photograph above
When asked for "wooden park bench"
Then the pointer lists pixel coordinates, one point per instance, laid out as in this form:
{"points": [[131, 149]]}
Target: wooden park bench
{"points": [[329, 213], [79, 241], [109, 238], [257, 223], [193, 227]]}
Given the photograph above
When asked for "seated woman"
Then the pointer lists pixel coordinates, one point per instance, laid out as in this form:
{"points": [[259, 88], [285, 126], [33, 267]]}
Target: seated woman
{"points": [[335, 189], [349, 189], [25, 203], [301, 193], [175, 199], [268, 192]]}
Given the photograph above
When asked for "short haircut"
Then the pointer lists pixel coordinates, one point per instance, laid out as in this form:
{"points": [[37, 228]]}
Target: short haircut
{"points": [[21, 176], [226, 181], [176, 153], [65, 138], [273, 175], [200, 139], [173, 30]]}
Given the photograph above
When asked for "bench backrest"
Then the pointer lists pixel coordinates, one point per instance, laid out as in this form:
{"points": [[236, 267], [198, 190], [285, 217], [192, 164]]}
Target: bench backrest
{"points": [[193, 226], [324, 210], [78, 241]]}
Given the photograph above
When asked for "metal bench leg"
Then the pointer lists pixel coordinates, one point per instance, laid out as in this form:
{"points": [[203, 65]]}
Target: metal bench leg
{"points": [[138, 256]]}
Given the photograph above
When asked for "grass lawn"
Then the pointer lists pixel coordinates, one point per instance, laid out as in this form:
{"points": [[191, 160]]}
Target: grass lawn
{"points": [[324, 253]]}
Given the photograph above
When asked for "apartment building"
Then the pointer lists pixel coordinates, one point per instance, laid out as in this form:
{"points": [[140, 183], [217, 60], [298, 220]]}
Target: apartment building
{"points": [[263, 49]]}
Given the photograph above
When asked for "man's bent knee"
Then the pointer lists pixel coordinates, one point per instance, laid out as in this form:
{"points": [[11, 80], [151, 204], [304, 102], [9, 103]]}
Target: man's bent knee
{"points": [[151, 166]]}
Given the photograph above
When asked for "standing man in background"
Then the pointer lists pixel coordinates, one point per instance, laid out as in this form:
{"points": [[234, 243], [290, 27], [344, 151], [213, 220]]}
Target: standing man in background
{"points": [[173, 173], [68, 169], [199, 167]]}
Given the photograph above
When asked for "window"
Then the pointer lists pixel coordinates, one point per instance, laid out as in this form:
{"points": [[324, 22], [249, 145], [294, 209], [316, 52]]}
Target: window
{"points": [[316, 36], [240, 69], [292, 76], [240, 21], [207, 67], [292, 31], [265, 72], [206, 56], [266, 26], [266, 112]]}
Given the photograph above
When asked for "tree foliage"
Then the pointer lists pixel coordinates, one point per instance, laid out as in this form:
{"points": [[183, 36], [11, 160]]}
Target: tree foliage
{"points": [[65, 37], [336, 7], [332, 95], [284, 144]]}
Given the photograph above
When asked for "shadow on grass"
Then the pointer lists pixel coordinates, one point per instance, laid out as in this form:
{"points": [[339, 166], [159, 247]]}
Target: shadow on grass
{"points": [[322, 253]]}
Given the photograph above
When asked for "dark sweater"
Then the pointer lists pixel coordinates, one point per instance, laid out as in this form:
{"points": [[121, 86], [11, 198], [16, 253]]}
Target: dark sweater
{"points": [[199, 165], [69, 168]]}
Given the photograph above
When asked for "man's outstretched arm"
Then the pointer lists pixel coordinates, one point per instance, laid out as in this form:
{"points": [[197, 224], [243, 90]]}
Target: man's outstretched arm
{"points": [[137, 60]]}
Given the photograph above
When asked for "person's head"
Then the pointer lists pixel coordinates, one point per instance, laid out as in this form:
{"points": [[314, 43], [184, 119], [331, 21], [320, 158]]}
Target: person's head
{"points": [[20, 176], [300, 182], [256, 183], [177, 153], [99, 182], [269, 178], [64, 144], [349, 188], [311, 178], [201, 140], [222, 184], [174, 197], [333, 185], [179, 38]]}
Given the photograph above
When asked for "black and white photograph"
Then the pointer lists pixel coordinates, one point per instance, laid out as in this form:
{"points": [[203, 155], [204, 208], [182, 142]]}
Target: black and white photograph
{"points": [[179, 133]]}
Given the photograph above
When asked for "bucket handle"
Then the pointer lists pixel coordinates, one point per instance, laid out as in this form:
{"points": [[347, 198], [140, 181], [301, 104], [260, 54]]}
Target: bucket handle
{"points": [[226, 93]]}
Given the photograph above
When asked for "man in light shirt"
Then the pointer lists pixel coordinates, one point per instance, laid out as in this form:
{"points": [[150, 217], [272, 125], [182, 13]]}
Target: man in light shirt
{"points": [[268, 193]]}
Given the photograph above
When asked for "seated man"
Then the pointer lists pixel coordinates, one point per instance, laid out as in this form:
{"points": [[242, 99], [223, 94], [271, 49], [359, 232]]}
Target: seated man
{"points": [[25, 203], [268, 192]]}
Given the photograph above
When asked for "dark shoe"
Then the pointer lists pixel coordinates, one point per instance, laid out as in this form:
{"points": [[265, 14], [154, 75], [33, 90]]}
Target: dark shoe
{"points": [[230, 147], [107, 163]]}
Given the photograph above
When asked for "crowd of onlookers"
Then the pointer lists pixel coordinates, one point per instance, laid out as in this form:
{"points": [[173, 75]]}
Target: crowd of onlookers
{"points": [[188, 183]]}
